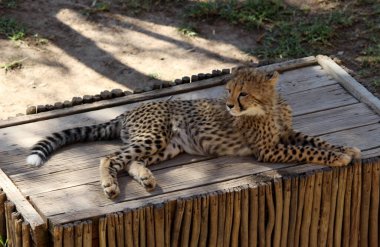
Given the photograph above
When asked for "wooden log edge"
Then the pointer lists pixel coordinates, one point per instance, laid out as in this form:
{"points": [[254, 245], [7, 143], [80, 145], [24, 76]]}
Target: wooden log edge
{"points": [[349, 83], [132, 98], [24, 207]]}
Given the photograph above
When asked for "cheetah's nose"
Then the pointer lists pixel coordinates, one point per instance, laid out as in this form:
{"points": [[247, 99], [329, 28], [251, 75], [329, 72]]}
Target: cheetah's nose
{"points": [[230, 106]]}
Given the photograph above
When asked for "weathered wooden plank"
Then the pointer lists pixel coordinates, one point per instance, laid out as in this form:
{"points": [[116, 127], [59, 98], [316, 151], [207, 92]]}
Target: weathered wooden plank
{"points": [[373, 152], [336, 119], [348, 82], [290, 64], [70, 178], [191, 175], [295, 85], [23, 206], [319, 99], [364, 137], [305, 73], [160, 198]]}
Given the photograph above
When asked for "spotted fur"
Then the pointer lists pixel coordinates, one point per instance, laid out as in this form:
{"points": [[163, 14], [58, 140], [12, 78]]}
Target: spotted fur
{"points": [[252, 121]]}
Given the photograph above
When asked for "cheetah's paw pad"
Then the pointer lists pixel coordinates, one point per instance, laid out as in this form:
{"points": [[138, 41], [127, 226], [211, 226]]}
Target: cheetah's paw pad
{"points": [[148, 181], [111, 190], [354, 152], [342, 160]]}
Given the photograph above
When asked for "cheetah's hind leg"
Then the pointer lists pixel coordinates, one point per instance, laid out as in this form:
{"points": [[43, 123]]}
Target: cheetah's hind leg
{"points": [[300, 139], [129, 158]]}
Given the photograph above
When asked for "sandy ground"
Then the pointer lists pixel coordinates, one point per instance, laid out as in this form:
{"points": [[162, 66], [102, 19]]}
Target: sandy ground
{"points": [[86, 55]]}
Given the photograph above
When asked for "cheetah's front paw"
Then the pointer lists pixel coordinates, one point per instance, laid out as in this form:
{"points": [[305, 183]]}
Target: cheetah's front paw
{"points": [[354, 152], [110, 188], [147, 180], [341, 160]]}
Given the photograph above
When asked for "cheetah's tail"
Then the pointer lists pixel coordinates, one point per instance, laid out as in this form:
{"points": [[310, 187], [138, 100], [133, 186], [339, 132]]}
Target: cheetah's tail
{"points": [[41, 151]]}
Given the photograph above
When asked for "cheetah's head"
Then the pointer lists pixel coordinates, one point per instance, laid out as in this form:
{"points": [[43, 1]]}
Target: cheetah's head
{"points": [[251, 92]]}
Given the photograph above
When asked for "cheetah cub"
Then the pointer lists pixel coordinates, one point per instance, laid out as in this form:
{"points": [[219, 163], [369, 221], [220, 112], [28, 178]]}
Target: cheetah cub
{"points": [[253, 121]]}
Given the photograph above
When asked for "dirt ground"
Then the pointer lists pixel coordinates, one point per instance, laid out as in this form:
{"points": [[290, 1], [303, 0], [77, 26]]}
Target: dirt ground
{"points": [[69, 52]]}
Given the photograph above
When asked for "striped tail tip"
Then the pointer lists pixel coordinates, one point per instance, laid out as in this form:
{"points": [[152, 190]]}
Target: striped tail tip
{"points": [[34, 160]]}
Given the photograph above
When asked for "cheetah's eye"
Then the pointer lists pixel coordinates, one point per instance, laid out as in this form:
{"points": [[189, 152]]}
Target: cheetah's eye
{"points": [[243, 94], [228, 90]]}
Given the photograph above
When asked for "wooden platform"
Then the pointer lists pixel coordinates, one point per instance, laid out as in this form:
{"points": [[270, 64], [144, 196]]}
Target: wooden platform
{"points": [[223, 199]]}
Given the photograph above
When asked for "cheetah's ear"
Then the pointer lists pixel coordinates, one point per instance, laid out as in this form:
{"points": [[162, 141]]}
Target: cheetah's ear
{"points": [[272, 77]]}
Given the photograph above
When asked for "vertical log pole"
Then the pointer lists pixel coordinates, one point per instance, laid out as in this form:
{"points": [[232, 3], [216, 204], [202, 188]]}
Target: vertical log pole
{"points": [[229, 217], [58, 236], [307, 211], [271, 215], [278, 192], [287, 183], [26, 241], [119, 219], [355, 204], [68, 235], [261, 224], [111, 240], [149, 227], [365, 205], [177, 222], [78, 234], [334, 195], [128, 228], [159, 225], [325, 208], [185, 232], [236, 218], [87, 233], [196, 223], [213, 220], [142, 220], [16, 235], [103, 232], [3, 226], [136, 227], [340, 207], [293, 211], [18, 231], [170, 209], [9, 208], [347, 208], [222, 198], [204, 221], [253, 215], [244, 226], [313, 242], [374, 212], [301, 201]]}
